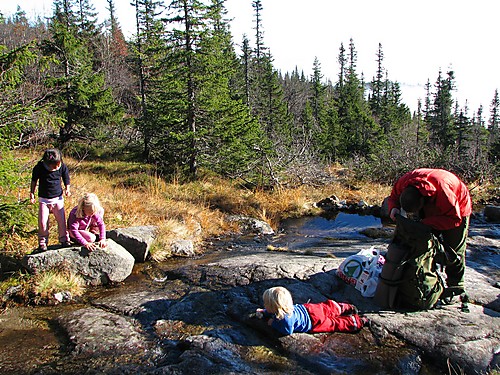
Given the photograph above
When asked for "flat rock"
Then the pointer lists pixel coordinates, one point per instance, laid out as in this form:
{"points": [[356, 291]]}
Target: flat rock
{"points": [[91, 330]]}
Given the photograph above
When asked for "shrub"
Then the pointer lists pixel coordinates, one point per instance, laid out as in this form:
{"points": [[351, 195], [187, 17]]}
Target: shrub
{"points": [[17, 218]]}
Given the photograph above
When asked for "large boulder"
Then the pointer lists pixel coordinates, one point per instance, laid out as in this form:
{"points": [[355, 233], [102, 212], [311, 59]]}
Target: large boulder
{"points": [[101, 266], [136, 240]]}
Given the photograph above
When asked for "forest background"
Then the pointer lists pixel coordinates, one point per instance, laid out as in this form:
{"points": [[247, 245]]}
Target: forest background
{"points": [[178, 97], [174, 124]]}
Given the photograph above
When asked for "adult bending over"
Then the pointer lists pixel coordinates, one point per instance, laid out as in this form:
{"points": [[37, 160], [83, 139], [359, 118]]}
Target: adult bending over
{"points": [[442, 201]]}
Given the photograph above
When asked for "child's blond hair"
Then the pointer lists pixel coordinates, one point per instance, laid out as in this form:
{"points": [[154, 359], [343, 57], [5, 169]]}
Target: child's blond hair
{"points": [[278, 301], [88, 200]]}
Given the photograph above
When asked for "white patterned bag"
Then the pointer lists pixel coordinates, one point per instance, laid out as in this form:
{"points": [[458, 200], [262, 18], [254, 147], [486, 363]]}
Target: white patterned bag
{"points": [[362, 270]]}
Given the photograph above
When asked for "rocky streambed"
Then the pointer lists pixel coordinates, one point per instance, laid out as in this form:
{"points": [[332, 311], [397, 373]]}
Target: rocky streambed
{"points": [[193, 316]]}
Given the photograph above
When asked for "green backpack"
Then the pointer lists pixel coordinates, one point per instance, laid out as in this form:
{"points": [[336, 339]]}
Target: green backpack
{"points": [[409, 277]]}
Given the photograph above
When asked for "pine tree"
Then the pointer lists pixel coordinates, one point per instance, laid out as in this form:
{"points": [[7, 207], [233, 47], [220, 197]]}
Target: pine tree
{"points": [[200, 118], [14, 113], [246, 58], [80, 96], [441, 120], [318, 91], [267, 103], [260, 49], [228, 135], [362, 134], [494, 129], [462, 125], [377, 85], [148, 54], [421, 132], [479, 143]]}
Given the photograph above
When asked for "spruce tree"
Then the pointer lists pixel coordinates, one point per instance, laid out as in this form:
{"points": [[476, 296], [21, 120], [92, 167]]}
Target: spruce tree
{"points": [[80, 96], [148, 51], [494, 129], [441, 120], [200, 118], [362, 135], [377, 85], [15, 114]]}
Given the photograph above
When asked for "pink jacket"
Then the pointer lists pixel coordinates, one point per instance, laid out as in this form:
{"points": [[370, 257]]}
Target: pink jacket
{"points": [[75, 225], [447, 197]]}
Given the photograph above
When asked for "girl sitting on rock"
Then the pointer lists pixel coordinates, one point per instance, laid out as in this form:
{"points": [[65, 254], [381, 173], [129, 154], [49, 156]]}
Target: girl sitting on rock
{"points": [[86, 223], [327, 316]]}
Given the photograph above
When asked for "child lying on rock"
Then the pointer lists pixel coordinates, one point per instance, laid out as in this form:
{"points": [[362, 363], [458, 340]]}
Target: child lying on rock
{"points": [[327, 316]]}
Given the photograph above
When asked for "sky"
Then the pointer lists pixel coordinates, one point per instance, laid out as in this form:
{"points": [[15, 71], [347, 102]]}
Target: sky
{"points": [[418, 38]]}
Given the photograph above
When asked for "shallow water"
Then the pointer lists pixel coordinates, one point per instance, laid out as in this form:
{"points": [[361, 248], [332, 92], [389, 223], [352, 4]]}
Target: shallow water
{"points": [[29, 331], [312, 231]]}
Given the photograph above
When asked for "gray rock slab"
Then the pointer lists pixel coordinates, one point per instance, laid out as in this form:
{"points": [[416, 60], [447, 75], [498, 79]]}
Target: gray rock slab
{"points": [[136, 240], [101, 266], [92, 330], [469, 340], [197, 318]]}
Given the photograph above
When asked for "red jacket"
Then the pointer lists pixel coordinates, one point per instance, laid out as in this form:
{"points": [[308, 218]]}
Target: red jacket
{"points": [[447, 198]]}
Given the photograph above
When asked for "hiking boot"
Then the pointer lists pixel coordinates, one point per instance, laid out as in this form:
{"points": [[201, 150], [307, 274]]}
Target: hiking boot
{"points": [[66, 244], [449, 293]]}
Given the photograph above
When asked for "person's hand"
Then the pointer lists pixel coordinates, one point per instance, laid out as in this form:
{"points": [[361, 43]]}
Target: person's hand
{"points": [[32, 198], [394, 212], [259, 313], [90, 246], [102, 243], [67, 191], [270, 322]]}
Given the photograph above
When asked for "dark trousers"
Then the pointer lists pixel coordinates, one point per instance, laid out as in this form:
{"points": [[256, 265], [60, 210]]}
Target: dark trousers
{"points": [[456, 240]]}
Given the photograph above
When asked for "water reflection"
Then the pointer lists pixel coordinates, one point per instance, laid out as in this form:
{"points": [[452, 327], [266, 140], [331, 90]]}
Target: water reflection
{"points": [[316, 230]]}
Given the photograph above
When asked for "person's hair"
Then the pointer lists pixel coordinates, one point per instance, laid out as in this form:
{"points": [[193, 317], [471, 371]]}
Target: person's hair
{"points": [[278, 301], [52, 156], [88, 200], [410, 199]]}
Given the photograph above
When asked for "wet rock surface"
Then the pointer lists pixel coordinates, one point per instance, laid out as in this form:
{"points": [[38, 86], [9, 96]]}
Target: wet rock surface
{"points": [[193, 316]]}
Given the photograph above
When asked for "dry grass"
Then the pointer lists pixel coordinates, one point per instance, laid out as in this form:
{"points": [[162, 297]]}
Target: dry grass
{"points": [[48, 283], [132, 194]]}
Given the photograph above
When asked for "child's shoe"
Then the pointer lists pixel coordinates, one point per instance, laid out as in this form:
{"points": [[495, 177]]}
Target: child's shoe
{"points": [[348, 309], [66, 244], [41, 248]]}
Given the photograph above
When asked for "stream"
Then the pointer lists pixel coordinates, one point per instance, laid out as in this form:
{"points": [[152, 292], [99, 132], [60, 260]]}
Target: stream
{"points": [[30, 340]]}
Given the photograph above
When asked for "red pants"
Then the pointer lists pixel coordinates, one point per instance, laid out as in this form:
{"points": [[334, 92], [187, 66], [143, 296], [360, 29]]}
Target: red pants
{"points": [[328, 317]]}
